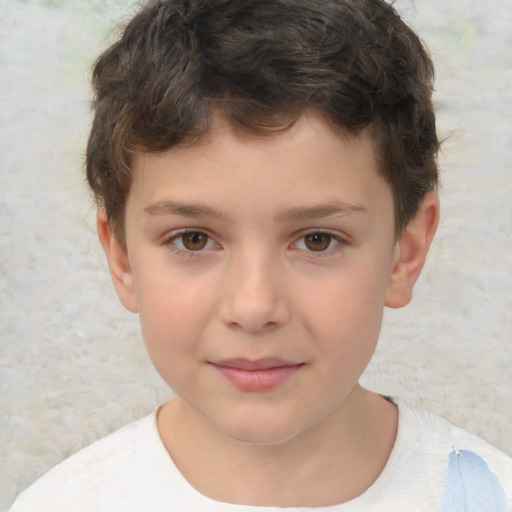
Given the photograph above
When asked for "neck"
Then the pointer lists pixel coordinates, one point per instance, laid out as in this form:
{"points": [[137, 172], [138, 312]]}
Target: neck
{"points": [[339, 458]]}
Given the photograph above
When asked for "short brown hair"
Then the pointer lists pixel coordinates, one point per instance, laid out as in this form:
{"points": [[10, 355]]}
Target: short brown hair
{"points": [[261, 64]]}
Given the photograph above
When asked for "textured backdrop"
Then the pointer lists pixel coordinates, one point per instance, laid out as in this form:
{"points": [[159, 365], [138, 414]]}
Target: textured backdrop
{"points": [[72, 363]]}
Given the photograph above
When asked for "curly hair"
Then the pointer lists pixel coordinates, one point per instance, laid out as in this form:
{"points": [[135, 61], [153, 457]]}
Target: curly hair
{"points": [[261, 64]]}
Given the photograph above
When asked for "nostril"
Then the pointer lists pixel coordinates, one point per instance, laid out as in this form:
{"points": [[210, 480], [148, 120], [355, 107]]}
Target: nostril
{"points": [[253, 327], [254, 316], [252, 299]]}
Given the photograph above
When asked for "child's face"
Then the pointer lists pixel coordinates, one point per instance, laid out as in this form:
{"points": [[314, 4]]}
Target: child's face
{"points": [[260, 269]]}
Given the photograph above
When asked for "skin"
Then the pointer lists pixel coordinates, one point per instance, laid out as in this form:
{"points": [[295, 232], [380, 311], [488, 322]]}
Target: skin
{"points": [[292, 256]]}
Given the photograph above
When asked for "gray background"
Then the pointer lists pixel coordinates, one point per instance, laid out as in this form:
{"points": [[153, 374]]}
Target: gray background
{"points": [[72, 363]]}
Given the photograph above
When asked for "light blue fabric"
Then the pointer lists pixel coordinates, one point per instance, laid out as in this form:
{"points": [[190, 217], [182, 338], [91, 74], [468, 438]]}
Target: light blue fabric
{"points": [[470, 486]]}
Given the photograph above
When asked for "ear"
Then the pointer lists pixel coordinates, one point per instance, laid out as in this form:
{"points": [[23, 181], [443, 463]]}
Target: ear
{"points": [[411, 252], [118, 262]]}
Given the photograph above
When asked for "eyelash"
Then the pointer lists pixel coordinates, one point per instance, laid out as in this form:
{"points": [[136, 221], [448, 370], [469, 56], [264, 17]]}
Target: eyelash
{"points": [[170, 241], [341, 242]]}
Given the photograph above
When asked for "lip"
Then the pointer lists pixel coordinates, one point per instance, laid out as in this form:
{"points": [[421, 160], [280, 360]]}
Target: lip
{"points": [[258, 375]]}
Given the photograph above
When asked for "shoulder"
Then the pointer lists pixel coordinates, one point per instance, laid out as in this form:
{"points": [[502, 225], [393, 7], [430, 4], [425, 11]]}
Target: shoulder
{"points": [[109, 467], [477, 473], [473, 471]]}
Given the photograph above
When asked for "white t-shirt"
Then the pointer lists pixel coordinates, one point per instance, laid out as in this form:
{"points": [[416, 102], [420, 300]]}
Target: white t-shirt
{"points": [[433, 466]]}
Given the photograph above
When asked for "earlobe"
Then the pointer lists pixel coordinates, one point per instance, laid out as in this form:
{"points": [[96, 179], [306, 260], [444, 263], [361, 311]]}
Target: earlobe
{"points": [[118, 262], [411, 252]]}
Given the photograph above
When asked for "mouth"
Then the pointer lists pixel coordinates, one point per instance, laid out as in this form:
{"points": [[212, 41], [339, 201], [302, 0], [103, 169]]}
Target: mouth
{"points": [[259, 375]]}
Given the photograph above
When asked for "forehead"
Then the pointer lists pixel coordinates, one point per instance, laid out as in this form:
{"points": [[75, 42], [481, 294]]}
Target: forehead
{"points": [[309, 163]]}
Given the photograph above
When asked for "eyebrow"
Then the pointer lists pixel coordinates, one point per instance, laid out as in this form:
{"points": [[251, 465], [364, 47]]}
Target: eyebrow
{"points": [[194, 210], [197, 210], [318, 211]]}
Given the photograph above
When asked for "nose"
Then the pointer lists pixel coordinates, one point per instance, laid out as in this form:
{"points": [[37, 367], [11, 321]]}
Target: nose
{"points": [[253, 294]]}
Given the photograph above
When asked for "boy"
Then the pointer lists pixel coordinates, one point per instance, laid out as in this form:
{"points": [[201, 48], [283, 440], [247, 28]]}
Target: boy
{"points": [[266, 174]]}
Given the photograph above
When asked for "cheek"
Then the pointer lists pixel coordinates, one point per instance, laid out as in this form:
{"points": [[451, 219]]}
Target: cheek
{"points": [[344, 316], [172, 314], [169, 299], [350, 299]]}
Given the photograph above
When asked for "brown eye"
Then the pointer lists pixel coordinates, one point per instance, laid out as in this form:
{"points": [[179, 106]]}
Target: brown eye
{"points": [[194, 241], [317, 241]]}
